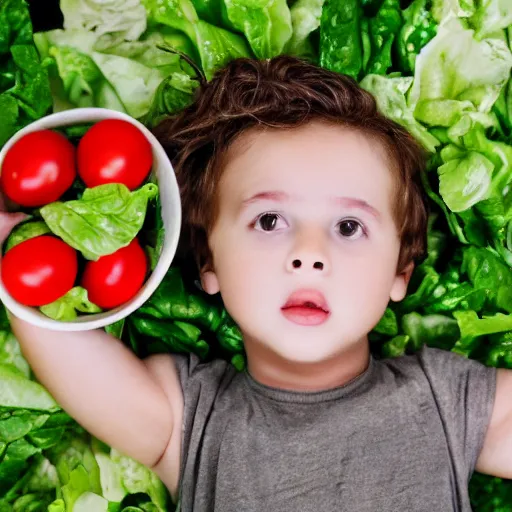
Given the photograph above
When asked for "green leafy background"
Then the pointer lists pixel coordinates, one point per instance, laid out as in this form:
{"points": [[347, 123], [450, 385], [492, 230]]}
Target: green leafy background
{"points": [[441, 68]]}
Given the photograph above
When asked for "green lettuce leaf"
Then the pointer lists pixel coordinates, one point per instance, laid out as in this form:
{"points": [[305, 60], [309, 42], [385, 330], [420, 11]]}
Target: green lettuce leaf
{"points": [[266, 24], [305, 16], [77, 81], [90, 502], [110, 473], [173, 94], [390, 94], [215, 46], [57, 506], [137, 478], [30, 422], [102, 72], [445, 9], [125, 18], [77, 469], [455, 74], [472, 327], [66, 308], [10, 353], [105, 219], [474, 181], [466, 181], [134, 82], [486, 17], [490, 17], [17, 392]]}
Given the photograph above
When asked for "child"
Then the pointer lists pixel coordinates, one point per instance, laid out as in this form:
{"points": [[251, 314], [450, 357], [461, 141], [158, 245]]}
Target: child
{"points": [[303, 208]]}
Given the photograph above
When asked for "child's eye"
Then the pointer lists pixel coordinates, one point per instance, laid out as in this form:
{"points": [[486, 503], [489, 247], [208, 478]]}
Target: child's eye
{"points": [[269, 222], [350, 228]]}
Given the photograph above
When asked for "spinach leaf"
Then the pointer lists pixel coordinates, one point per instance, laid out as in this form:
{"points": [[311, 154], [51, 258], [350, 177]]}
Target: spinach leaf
{"points": [[26, 231], [340, 39], [387, 324], [24, 85], [434, 330], [418, 29], [383, 28]]}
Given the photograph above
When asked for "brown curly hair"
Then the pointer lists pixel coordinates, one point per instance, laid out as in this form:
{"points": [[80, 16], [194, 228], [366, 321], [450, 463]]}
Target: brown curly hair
{"points": [[283, 93]]}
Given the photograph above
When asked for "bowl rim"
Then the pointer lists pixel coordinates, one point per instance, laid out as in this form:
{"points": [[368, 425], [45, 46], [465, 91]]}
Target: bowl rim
{"points": [[170, 210]]}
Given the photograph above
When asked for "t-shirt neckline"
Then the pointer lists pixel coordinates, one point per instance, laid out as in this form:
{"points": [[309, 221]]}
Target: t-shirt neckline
{"points": [[351, 388]]}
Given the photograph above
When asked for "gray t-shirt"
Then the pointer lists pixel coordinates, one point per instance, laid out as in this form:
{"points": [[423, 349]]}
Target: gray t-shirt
{"points": [[402, 437]]}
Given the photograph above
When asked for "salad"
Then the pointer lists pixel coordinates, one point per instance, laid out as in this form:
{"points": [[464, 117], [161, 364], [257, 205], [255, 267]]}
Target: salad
{"points": [[86, 198], [441, 68]]}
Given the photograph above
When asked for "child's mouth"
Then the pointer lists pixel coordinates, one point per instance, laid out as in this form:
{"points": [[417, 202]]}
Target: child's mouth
{"points": [[306, 307]]}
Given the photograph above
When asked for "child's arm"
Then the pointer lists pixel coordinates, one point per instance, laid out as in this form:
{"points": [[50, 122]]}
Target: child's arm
{"points": [[496, 455], [105, 387], [128, 403]]}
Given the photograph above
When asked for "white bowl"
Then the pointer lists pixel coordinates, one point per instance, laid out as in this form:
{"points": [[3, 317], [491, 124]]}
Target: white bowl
{"points": [[171, 215]]}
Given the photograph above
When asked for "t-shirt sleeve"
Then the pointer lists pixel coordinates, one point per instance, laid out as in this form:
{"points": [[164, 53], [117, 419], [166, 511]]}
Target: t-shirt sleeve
{"points": [[202, 384], [464, 390], [192, 371]]}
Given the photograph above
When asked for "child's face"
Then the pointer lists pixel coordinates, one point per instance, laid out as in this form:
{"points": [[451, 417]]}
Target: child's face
{"points": [[323, 197]]}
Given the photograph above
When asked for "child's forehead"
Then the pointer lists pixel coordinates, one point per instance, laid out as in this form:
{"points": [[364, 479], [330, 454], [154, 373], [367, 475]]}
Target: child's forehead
{"points": [[317, 139], [313, 159]]}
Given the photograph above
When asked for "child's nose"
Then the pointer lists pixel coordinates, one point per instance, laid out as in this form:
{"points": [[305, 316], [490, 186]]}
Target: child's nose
{"points": [[317, 264], [309, 255]]}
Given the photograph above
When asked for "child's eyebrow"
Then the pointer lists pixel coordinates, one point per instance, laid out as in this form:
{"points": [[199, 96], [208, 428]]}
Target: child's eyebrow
{"points": [[352, 202], [268, 195], [279, 196]]}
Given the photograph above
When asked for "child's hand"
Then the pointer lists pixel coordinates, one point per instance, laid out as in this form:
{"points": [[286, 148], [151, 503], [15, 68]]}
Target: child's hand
{"points": [[7, 220], [7, 223]]}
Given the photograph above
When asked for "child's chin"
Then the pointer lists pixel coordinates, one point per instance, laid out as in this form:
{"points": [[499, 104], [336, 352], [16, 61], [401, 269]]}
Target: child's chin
{"points": [[308, 353]]}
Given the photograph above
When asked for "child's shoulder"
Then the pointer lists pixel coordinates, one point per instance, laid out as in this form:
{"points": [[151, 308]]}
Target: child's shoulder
{"points": [[447, 374], [430, 359], [211, 375], [190, 365]]}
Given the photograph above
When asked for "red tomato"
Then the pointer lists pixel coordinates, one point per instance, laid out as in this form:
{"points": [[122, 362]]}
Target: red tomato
{"points": [[114, 151], [38, 168], [116, 278], [39, 270]]}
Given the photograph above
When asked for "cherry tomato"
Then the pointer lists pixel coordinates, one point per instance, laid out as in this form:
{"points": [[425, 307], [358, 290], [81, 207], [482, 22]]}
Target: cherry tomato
{"points": [[116, 278], [38, 168], [114, 151], [39, 270]]}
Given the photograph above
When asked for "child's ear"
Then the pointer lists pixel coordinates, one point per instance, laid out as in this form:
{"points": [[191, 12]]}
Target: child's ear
{"points": [[399, 288], [209, 281]]}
